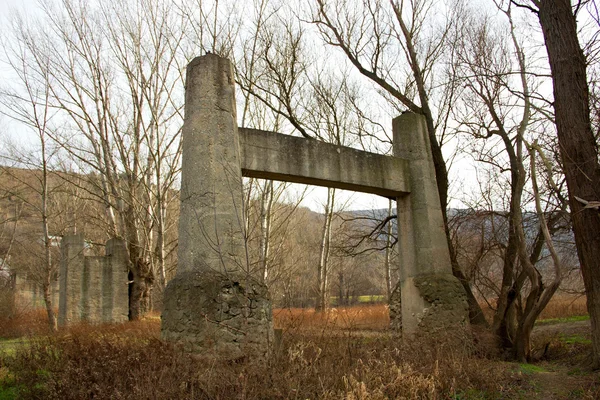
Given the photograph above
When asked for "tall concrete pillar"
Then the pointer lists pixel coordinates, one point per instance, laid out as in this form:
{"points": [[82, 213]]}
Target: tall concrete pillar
{"points": [[213, 305], [211, 224], [115, 287], [432, 298], [70, 279], [91, 289]]}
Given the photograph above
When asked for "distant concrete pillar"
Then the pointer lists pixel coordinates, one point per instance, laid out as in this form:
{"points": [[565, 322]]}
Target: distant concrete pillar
{"points": [[71, 275], [91, 289], [115, 278], [213, 305], [432, 298]]}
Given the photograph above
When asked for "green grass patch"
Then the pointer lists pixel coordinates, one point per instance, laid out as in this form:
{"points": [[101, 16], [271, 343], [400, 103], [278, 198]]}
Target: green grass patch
{"points": [[8, 347], [530, 369], [8, 389], [371, 299], [574, 339], [8, 393], [376, 298], [574, 318]]}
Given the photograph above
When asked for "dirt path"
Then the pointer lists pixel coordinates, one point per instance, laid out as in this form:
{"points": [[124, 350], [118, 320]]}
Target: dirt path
{"points": [[559, 382], [562, 373]]}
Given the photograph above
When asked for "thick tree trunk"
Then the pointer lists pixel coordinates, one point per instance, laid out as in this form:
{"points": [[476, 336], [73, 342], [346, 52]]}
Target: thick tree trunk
{"points": [[578, 148], [141, 286], [522, 346]]}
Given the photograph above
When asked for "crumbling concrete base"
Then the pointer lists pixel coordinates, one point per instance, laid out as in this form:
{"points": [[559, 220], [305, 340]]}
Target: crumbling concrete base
{"points": [[438, 302], [218, 316]]}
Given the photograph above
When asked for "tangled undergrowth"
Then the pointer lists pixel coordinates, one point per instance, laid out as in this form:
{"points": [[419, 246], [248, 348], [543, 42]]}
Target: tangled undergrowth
{"points": [[130, 362], [343, 354]]}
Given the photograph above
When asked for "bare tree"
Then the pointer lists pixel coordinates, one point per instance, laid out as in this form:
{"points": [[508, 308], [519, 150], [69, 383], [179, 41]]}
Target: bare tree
{"points": [[500, 90], [578, 146], [32, 108], [375, 37], [115, 74]]}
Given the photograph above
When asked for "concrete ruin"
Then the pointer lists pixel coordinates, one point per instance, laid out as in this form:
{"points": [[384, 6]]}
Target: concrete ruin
{"points": [[28, 294], [92, 289], [214, 304]]}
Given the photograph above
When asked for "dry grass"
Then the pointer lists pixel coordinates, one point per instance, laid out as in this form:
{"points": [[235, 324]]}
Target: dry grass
{"points": [[364, 317], [565, 307], [376, 316], [561, 306], [25, 323], [361, 317], [128, 361], [345, 353]]}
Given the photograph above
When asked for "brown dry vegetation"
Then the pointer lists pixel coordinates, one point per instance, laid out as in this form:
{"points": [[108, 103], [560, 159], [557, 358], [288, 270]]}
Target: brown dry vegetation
{"points": [[561, 306], [347, 353], [365, 317]]}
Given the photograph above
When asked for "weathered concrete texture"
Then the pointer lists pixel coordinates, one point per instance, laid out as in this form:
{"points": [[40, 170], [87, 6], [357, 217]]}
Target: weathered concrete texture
{"points": [[271, 155], [70, 278], [422, 243], [93, 289], [211, 219], [115, 286], [28, 294], [218, 317], [446, 299], [213, 305]]}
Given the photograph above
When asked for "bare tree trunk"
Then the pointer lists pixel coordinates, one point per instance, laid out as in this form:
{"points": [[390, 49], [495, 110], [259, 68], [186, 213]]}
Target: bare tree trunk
{"points": [[266, 205], [47, 288], [47, 270], [539, 296], [160, 246], [341, 301], [578, 147], [322, 272], [388, 255]]}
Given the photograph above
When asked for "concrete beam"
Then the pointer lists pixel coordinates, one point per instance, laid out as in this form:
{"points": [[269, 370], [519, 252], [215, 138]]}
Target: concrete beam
{"points": [[271, 155]]}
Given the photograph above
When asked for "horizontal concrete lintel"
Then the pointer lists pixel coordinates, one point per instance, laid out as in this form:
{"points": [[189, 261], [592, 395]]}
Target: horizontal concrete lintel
{"points": [[271, 155]]}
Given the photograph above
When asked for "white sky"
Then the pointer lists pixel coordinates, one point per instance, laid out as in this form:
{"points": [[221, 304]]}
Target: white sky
{"points": [[315, 198], [462, 173]]}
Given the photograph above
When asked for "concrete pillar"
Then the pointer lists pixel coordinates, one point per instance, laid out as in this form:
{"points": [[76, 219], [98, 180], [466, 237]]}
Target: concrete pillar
{"points": [[432, 298], [212, 305], [211, 223], [91, 289], [70, 278], [115, 278]]}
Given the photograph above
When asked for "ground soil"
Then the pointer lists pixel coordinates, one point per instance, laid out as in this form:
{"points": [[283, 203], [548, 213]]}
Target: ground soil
{"points": [[562, 369]]}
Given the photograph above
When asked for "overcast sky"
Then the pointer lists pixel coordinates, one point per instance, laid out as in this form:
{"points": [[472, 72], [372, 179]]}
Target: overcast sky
{"points": [[315, 201]]}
